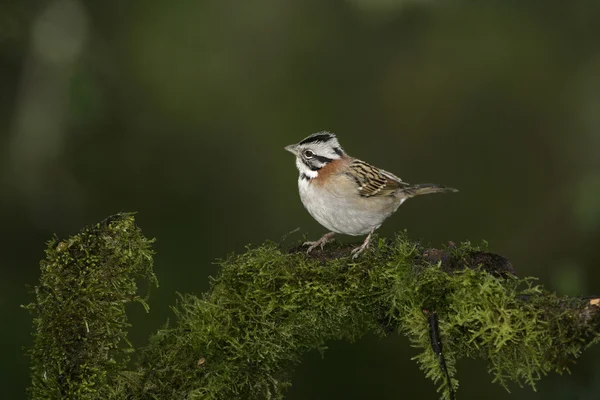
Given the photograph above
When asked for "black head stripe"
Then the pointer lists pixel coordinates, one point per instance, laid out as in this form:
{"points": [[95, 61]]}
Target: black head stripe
{"points": [[322, 159], [338, 151], [321, 137], [314, 164]]}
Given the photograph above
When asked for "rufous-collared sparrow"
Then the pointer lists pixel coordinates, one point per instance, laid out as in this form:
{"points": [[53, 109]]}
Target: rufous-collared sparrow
{"points": [[347, 195]]}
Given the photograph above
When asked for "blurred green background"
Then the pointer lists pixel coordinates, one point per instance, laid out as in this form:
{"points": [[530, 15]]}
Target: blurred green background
{"points": [[180, 110]]}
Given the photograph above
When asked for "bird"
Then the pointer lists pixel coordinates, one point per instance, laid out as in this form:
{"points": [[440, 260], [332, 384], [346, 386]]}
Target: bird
{"points": [[345, 194]]}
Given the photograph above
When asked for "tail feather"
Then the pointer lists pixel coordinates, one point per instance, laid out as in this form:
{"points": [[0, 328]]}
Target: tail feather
{"points": [[425, 188]]}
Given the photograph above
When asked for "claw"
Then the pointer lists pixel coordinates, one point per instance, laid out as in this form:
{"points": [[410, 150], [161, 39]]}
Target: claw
{"points": [[321, 242], [357, 251]]}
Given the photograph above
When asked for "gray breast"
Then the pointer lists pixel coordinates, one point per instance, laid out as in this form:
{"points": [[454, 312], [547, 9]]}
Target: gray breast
{"points": [[339, 207]]}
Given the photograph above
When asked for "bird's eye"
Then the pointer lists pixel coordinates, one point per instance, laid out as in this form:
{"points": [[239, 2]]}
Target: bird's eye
{"points": [[308, 154]]}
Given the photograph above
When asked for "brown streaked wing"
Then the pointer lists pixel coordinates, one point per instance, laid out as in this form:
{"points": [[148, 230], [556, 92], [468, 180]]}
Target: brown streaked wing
{"points": [[373, 181]]}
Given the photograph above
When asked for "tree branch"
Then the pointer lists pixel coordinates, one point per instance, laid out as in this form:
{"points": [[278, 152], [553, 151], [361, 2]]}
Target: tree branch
{"points": [[267, 307]]}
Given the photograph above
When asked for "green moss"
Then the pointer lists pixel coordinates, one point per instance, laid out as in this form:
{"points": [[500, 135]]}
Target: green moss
{"points": [[80, 344], [267, 307]]}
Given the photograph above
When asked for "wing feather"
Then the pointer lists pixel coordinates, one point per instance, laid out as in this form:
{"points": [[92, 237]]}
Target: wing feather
{"points": [[373, 181]]}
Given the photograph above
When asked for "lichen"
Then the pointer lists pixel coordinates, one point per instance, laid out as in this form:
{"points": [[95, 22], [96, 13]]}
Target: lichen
{"points": [[267, 307]]}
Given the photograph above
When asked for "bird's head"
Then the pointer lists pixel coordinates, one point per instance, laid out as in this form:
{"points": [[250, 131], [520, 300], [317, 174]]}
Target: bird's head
{"points": [[315, 152]]}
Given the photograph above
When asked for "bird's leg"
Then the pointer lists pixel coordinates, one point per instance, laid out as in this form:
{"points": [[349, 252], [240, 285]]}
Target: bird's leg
{"points": [[357, 251], [321, 242]]}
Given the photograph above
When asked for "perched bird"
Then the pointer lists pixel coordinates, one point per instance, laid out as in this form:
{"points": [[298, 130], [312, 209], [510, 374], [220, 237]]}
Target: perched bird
{"points": [[347, 195]]}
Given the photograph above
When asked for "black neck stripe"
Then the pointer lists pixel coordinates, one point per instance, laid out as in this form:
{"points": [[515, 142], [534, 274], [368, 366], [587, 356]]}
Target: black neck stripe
{"points": [[304, 177], [324, 137]]}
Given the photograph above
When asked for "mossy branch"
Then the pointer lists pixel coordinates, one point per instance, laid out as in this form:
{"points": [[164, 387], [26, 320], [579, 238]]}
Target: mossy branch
{"points": [[80, 339], [267, 307]]}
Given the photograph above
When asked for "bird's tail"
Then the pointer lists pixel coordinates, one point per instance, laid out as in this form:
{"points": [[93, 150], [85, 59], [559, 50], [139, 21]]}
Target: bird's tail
{"points": [[425, 188]]}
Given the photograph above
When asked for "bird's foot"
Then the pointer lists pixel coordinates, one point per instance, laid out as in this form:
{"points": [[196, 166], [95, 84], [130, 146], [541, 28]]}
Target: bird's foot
{"points": [[357, 251], [321, 242]]}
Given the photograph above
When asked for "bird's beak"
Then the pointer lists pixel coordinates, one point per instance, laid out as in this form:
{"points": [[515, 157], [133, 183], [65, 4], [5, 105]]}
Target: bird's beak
{"points": [[292, 149]]}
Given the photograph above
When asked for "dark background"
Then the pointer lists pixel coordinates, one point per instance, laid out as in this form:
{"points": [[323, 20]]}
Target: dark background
{"points": [[180, 111]]}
